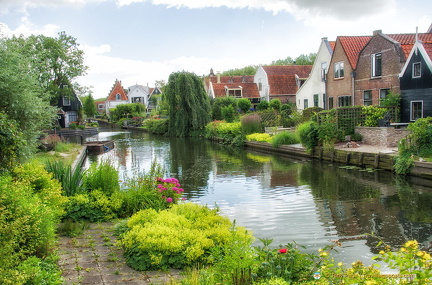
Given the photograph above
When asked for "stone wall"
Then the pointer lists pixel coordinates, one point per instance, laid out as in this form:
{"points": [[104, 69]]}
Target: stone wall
{"points": [[382, 136]]}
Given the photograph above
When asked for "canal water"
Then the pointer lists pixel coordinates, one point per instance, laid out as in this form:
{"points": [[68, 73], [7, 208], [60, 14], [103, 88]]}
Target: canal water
{"points": [[308, 202]]}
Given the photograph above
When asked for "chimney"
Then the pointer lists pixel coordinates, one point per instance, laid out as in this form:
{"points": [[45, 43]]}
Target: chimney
{"points": [[376, 32], [218, 77]]}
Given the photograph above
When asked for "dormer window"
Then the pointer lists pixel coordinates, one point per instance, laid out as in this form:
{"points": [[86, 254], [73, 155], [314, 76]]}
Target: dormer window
{"points": [[234, 92], [416, 70], [376, 64], [66, 100], [118, 96]]}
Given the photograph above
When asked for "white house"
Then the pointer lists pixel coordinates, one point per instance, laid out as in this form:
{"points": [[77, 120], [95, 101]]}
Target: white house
{"points": [[313, 92], [139, 94]]}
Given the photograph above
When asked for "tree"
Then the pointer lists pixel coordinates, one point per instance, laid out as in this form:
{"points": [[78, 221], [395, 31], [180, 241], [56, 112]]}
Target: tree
{"points": [[219, 103], [89, 106], [275, 104], [244, 104], [263, 105], [22, 99], [54, 62], [188, 104]]}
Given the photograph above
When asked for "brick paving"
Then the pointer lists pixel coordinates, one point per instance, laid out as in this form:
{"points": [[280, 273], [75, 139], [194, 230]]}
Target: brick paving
{"points": [[94, 258]]}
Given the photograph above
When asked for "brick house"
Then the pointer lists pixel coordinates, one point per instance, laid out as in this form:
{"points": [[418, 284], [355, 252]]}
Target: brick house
{"points": [[379, 64], [341, 71], [281, 82], [236, 86], [116, 96]]}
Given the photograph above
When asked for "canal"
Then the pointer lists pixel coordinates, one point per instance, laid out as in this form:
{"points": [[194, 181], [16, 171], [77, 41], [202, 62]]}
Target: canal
{"points": [[309, 202]]}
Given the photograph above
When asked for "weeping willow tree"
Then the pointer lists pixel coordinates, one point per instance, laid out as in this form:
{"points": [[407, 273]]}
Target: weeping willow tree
{"points": [[188, 104]]}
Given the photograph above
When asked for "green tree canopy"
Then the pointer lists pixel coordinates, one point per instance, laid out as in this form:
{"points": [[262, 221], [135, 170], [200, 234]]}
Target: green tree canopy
{"points": [[54, 62], [188, 104], [22, 99], [89, 106], [217, 105], [244, 104]]}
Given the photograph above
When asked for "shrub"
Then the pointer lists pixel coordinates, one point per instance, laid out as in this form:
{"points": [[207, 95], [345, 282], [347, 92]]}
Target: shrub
{"points": [[244, 104], [308, 133], [285, 138], [11, 141], [373, 113], [178, 237], [259, 137], [263, 105], [101, 176], [356, 137], [421, 135], [156, 126], [71, 180], [275, 104], [217, 105], [228, 132], [310, 113], [228, 113], [251, 124]]}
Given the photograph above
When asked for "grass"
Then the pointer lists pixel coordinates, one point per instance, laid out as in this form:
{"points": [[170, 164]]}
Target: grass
{"points": [[65, 152]]}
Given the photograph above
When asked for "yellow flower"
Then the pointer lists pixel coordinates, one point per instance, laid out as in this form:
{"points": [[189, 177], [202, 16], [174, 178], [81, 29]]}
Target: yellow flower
{"points": [[381, 252], [426, 256], [340, 264], [412, 244], [420, 253], [403, 249], [323, 254], [320, 249]]}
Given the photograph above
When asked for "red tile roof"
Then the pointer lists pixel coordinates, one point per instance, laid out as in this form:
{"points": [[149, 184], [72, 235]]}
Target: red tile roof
{"points": [[428, 48], [282, 79], [117, 89], [407, 40], [250, 90], [233, 79], [352, 45], [332, 44]]}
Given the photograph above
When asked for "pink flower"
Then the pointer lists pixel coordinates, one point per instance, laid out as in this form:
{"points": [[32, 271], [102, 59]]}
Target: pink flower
{"points": [[174, 189], [169, 199], [283, 250]]}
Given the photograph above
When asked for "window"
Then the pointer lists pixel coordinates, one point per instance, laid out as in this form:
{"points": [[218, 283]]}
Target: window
{"points": [[344, 101], [66, 100], [315, 100], [234, 92], [73, 116], [416, 70], [339, 70], [118, 96], [260, 84], [323, 70], [367, 97], [383, 93], [330, 102], [416, 110], [305, 104], [101, 106], [376, 64]]}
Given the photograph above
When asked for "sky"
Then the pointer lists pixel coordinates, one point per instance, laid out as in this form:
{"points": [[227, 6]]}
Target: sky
{"points": [[144, 41]]}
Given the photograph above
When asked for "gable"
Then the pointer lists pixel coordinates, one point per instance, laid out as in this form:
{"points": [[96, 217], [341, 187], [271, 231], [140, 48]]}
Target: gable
{"points": [[422, 53], [407, 41], [352, 46], [117, 89]]}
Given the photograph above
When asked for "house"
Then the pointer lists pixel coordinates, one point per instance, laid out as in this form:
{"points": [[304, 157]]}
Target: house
{"points": [[139, 94], [69, 107], [100, 107], [152, 101], [236, 86], [116, 96], [281, 82], [379, 65], [312, 93], [341, 71], [416, 82]]}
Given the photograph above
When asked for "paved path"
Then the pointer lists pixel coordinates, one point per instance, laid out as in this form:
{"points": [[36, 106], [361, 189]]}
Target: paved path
{"points": [[93, 258]]}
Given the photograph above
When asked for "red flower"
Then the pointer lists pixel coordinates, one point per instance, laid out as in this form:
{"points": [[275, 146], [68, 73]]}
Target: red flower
{"points": [[283, 250]]}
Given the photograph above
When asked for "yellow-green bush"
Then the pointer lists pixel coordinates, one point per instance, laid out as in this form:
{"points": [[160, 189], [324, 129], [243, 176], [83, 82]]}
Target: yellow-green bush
{"points": [[30, 208], [178, 237], [259, 137]]}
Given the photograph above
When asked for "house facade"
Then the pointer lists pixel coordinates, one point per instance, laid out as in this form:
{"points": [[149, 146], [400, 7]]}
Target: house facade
{"points": [[116, 96], [281, 82], [341, 70], [416, 83], [69, 107], [313, 92], [138, 94]]}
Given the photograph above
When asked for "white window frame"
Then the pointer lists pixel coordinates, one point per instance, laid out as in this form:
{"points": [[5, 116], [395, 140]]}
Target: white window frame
{"points": [[414, 75], [118, 97], [66, 100], [411, 110], [323, 71], [339, 70], [375, 58]]}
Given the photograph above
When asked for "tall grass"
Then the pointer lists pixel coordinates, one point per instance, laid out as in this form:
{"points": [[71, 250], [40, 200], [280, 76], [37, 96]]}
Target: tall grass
{"points": [[251, 124], [70, 179], [285, 138], [102, 176]]}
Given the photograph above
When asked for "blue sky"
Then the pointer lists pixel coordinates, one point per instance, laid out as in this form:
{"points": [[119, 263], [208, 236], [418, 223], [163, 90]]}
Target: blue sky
{"points": [[141, 41]]}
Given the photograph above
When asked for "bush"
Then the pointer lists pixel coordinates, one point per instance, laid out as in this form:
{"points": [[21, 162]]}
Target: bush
{"points": [[285, 138], [101, 176], [373, 113], [227, 132], [259, 137], [275, 104], [178, 237], [308, 133], [156, 126], [71, 180], [30, 208], [11, 141], [310, 113], [356, 137], [251, 124], [421, 135], [228, 113], [217, 105], [263, 105], [244, 104]]}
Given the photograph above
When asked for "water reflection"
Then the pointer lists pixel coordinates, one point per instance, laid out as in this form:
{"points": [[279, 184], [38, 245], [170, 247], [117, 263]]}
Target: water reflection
{"points": [[285, 199]]}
